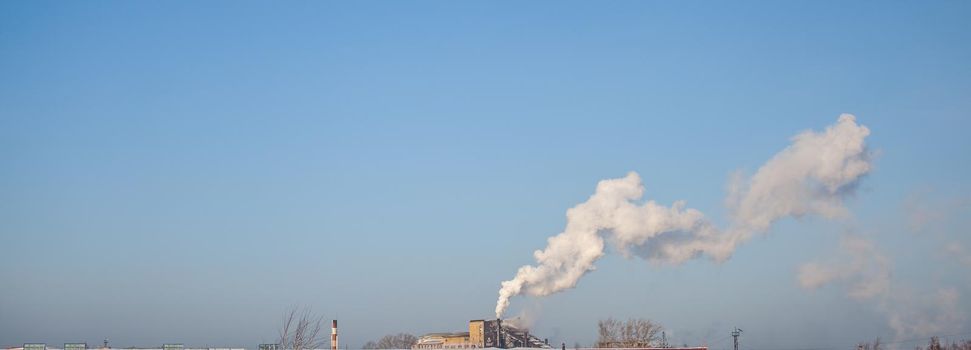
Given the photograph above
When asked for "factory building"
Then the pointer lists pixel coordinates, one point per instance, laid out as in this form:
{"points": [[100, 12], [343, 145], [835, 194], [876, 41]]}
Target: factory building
{"points": [[482, 334], [444, 341]]}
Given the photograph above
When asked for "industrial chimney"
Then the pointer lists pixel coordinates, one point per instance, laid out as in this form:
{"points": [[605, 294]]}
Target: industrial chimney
{"points": [[333, 336], [499, 343]]}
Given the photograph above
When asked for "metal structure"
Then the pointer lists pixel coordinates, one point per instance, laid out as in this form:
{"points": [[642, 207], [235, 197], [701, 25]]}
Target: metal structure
{"points": [[507, 337], [735, 333]]}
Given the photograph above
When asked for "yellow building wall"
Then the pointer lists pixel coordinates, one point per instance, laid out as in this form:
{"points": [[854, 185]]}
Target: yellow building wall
{"points": [[456, 340], [477, 333]]}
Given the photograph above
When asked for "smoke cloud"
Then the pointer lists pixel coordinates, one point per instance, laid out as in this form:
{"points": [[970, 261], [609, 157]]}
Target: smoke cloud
{"points": [[865, 272], [921, 315], [863, 266], [958, 251], [809, 177]]}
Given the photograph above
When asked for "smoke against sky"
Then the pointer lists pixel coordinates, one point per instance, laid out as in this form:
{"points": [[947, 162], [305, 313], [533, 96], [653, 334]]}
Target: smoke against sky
{"points": [[866, 274], [171, 170], [860, 263], [809, 177]]}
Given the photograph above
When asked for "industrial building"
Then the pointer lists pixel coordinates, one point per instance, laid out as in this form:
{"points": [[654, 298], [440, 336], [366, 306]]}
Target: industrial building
{"points": [[482, 334]]}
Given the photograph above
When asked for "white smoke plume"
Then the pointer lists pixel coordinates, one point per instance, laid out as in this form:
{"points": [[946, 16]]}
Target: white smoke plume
{"points": [[861, 265], [923, 315], [525, 320], [958, 251], [925, 214], [811, 176], [865, 272]]}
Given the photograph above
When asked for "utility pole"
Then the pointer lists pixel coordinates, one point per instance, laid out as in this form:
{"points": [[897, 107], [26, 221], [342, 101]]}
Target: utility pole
{"points": [[735, 333]]}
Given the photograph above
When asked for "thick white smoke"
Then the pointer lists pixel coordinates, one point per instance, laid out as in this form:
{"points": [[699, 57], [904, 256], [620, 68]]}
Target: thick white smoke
{"points": [[811, 176], [609, 212]]}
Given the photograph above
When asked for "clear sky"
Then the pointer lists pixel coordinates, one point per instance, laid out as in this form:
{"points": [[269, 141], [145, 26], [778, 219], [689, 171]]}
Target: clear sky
{"points": [[185, 171]]}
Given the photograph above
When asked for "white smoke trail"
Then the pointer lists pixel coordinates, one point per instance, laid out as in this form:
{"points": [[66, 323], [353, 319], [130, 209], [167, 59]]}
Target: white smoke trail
{"points": [[865, 274], [571, 254], [925, 314], [861, 264], [811, 176], [957, 251]]}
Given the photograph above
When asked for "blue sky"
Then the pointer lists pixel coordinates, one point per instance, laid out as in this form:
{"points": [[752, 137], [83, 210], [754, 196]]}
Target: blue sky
{"points": [[185, 171]]}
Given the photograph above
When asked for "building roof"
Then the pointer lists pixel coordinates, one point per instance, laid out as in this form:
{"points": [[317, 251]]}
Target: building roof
{"points": [[455, 334]]}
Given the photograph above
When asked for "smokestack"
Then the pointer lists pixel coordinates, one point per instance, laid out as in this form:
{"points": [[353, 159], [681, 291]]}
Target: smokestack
{"points": [[333, 336], [499, 334]]}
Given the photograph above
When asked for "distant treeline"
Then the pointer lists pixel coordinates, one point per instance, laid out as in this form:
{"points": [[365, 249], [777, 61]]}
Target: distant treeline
{"points": [[392, 341], [935, 344]]}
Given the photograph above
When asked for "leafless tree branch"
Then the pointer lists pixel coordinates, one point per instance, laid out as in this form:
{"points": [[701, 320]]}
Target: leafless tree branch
{"points": [[301, 330], [632, 333]]}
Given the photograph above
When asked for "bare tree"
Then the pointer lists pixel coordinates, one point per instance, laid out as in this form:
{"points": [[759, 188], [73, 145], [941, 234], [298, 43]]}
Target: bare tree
{"points": [[960, 345], [393, 341], [605, 332], [875, 345], [301, 330], [632, 333], [935, 344]]}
